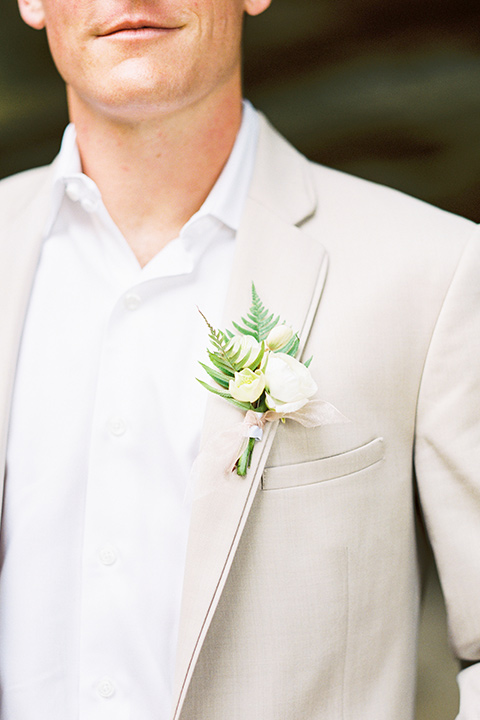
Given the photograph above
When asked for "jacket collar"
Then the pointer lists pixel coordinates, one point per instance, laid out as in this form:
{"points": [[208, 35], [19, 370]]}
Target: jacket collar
{"points": [[282, 181]]}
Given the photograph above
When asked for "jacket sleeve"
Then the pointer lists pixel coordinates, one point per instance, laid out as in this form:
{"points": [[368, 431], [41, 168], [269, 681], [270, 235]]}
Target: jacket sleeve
{"points": [[447, 464]]}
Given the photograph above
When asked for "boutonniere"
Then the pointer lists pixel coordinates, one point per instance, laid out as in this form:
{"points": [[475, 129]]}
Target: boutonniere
{"points": [[255, 369]]}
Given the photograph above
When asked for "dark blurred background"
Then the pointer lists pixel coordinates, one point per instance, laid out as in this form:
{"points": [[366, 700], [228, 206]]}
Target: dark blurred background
{"points": [[385, 89]]}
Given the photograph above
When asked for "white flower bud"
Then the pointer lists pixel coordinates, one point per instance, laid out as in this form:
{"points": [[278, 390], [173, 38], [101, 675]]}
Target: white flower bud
{"points": [[248, 346], [278, 337]]}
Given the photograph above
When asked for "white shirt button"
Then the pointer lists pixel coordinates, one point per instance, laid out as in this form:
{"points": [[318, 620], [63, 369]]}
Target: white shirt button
{"points": [[132, 301], [117, 426], [74, 190], [89, 203], [106, 688], [108, 555]]}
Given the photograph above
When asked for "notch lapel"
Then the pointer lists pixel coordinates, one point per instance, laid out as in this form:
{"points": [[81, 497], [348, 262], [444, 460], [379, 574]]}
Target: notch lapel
{"points": [[289, 271]]}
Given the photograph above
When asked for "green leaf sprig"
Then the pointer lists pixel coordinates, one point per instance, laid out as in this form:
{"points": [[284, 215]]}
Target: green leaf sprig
{"points": [[227, 356]]}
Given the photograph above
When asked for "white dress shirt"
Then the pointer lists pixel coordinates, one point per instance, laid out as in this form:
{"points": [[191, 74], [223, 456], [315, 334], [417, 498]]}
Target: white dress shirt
{"points": [[105, 426]]}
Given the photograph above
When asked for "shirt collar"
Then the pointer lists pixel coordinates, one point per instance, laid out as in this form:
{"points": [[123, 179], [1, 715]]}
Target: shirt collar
{"points": [[224, 203], [227, 197], [66, 165]]}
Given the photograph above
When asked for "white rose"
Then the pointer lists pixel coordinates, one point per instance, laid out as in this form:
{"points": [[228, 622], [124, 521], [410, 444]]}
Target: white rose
{"points": [[247, 386], [279, 336], [288, 383], [248, 346]]}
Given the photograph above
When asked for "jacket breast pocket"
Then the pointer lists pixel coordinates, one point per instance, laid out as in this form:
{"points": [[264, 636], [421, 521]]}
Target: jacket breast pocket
{"points": [[325, 468]]}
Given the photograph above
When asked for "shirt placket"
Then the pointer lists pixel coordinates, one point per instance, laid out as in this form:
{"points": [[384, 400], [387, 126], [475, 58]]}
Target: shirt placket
{"points": [[128, 522], [104, 683]]}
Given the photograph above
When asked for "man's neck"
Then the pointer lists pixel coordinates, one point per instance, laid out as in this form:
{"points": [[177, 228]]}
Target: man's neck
{"points": [[155, 174]]}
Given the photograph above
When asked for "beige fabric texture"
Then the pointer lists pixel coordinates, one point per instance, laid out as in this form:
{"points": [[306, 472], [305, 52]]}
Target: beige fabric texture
{"points": [[303, 580]]}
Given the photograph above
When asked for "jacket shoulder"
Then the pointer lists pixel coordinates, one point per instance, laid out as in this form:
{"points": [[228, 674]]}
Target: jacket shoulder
{"points": [[343, 208], [357, 203]]}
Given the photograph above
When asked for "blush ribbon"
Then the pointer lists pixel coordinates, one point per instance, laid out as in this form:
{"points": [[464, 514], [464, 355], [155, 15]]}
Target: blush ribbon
{"points": [[216, 462]]}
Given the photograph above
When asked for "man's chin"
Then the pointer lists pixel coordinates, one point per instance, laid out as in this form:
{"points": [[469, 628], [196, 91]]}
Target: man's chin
{"points": [[127, 102]]}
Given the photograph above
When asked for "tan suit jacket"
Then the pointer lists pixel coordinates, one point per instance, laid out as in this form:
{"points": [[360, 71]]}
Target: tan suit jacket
{"points": [[303, 579]]}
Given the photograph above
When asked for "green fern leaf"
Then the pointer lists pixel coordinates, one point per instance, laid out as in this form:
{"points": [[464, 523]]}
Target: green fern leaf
{"points": [[269, 325], [259, 320], [244, 330], [226, 396], [216, 375], [291, 348], [221, 365], [252, 325], [225, 357]]}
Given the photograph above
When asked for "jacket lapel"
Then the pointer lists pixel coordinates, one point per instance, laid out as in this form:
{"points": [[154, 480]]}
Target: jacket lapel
{"points": [[289, 271], [23, 214]]}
